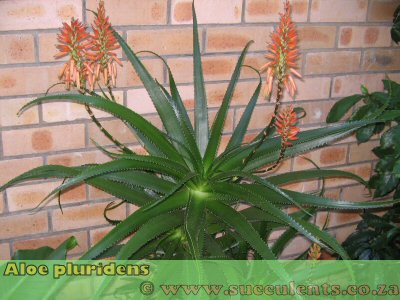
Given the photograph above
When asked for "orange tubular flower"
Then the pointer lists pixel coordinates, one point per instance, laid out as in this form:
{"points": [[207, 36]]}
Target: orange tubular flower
{"points": [[103, 43], [285, 126], [283, 54], [73, 42]]}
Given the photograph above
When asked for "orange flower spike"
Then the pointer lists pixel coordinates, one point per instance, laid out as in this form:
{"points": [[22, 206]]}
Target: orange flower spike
{"points": [[283, 54], [285, 125], [103, 43], [73, 42]]}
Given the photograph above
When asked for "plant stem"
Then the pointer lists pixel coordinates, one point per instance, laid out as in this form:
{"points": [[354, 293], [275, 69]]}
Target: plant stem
{"points": [[280, 158], [267, 129], [104, 131]]}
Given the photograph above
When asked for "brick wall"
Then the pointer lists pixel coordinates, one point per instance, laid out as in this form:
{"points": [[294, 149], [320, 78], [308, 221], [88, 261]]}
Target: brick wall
{"points": [[343, 43]]}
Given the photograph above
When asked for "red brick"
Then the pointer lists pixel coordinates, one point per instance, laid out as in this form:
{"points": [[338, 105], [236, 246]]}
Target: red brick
{"points": [[268, 11], [314, 88], [116, 128], [362, 170], [127, 77], [229, 11], [39, 14], [54, 241], [364, 36], [38, 140], [241, 96], [47, 47], [381, 59], [69, 111], [356, 193], [97, 234], [260, 118], [229, 39], [29, 80], [214, 67], [339, 10], [316, 112], [77, 158], [23, 225], [228, 125], [30, 196], [5, 251], [84, 216], [347, 85], [332, 62], [162, 41], [12, 106], [316, 37], [342, 233], [297, 246], [132, 12], [17, 48], [382, 10], [362, 152], [327, 156], [14, 167]]}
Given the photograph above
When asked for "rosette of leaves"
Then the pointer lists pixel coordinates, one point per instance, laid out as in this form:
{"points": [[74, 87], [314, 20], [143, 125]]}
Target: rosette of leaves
{"points": [[376, 238], [387, 171], [185, 191]]}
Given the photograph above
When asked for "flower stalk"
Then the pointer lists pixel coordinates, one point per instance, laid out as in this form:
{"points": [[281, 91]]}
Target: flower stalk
{"points": [[282, 57]]}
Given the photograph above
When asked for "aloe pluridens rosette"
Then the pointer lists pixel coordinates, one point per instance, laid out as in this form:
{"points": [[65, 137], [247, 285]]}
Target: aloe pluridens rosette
{"points": [[185, 192]]}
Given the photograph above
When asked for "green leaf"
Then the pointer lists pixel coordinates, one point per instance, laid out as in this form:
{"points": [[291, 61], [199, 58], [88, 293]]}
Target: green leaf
{"points": [[156, 164], [247, 193], [270, 149], [238, 222], [179, 185], [323, 202], [200, 109], [324, 237], [133, 222], [341, 107], [218, 125], [142, 180], [152, 138], [364, 134], [287, 236], [195, 223], [241, 128], [150, 230], [185, 126], [43, 172], [391, 138], [165, 111], [311, 174], [259, 180], [47, 253]]}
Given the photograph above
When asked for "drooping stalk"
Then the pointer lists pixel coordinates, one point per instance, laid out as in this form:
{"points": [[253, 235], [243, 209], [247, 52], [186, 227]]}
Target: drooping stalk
{"points": [[104, 131]]}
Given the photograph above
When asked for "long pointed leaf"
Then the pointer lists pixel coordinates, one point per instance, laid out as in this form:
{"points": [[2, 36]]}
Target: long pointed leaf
{"points": [[133, 222], [311, 174], [151, 136], [150, 230], [218, 125], [241, 128], [200, 109], [145, 162], [238, 222], [164, 109], [194, 223]]}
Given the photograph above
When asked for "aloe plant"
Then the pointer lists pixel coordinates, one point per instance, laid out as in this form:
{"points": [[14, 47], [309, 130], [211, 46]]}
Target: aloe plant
{"points": [[187, 193]]}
